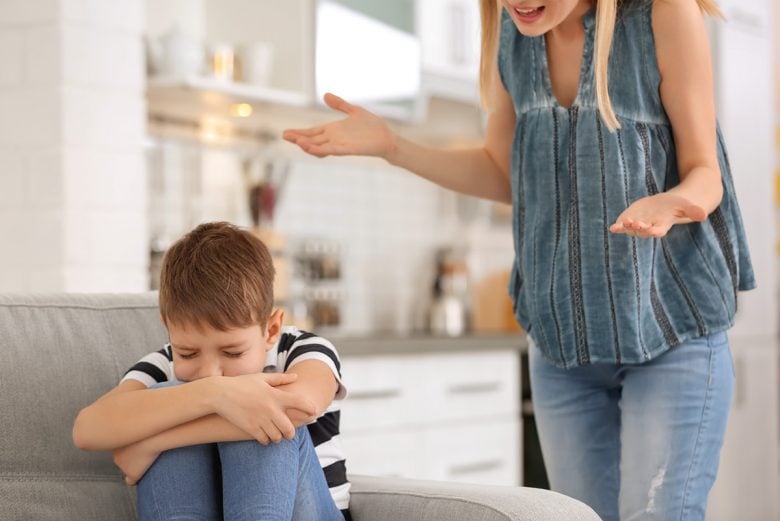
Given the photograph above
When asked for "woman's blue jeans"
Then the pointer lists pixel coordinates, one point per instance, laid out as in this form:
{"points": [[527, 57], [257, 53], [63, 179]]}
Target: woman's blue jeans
{"points": [[238, 481], [636, 441]]}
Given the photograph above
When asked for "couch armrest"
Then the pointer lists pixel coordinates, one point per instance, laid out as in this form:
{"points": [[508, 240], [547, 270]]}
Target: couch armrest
{"points": [[393, 499]]}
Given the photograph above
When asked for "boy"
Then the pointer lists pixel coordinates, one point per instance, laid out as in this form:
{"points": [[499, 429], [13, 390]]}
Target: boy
{"points": [[231, 374]]}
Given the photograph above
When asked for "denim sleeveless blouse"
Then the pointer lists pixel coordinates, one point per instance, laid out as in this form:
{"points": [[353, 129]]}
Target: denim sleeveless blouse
{"points": [[584, 294]]}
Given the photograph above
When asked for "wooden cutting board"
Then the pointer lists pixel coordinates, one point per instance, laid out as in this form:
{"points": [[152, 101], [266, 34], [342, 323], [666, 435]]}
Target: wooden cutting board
{"points": [[492, 308]]}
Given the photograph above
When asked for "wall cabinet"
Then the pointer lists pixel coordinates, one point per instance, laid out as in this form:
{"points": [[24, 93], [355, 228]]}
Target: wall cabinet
{"points": [[449, 32], [747, 484], [443, 416], [445, 34], [748, 479]]}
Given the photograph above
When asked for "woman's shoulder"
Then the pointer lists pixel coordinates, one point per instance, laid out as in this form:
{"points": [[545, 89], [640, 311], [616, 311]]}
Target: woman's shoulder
{"points": [[669, 8]]}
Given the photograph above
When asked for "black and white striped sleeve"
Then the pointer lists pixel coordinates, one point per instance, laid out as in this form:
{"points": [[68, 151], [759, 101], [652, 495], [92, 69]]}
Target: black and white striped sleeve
{"points": [[154, 368], [297, 346]]}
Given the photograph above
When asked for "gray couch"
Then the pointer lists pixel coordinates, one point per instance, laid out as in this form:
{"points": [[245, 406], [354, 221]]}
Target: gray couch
{"points": [[60, 352]]}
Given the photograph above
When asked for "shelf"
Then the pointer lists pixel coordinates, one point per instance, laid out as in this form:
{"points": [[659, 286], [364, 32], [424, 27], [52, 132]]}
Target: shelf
{"points": [[239, 91], [202, 109]]}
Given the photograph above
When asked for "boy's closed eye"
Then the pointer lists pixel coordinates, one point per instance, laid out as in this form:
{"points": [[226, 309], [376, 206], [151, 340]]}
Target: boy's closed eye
{"points": [[227, 354]]}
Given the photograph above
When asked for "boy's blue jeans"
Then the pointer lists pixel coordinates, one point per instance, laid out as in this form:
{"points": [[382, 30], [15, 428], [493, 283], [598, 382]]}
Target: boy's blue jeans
{"points": [[636, 441], [238, 481]]}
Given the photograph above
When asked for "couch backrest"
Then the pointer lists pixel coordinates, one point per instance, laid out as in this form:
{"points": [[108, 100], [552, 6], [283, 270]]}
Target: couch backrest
{"points": [[58, 353]]}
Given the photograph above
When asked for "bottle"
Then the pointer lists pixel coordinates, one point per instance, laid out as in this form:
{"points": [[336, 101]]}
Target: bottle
{"points": [[448, 310]]}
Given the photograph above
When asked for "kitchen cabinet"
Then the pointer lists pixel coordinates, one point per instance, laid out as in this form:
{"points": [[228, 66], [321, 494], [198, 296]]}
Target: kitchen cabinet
{"points": [[748, 478], [447, 416], [449, 32], [442, 47], [747, 484]]}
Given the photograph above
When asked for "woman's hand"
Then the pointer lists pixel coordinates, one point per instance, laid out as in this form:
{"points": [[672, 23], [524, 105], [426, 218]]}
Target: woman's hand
{"points": [[251, 403], [654, 215], [134, 460], [360, 133]]}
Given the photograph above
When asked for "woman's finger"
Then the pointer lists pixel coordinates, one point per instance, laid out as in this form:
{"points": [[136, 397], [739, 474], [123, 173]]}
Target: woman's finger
{"points": [[617, 228], [329, 149], [337, 103], [316, 140], [316, 150], [303, 132]]}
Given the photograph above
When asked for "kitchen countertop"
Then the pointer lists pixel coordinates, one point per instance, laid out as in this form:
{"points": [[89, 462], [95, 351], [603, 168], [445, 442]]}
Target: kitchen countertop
{"points": [[390, 343]]}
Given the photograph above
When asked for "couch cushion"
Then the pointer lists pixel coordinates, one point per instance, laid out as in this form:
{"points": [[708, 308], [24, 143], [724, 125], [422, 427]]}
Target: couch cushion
{"points": [[59, 353], [391, 499]]}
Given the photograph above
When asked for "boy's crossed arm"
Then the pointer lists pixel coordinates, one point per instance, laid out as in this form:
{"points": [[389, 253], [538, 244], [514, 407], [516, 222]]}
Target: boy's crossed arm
{"points": [[263, 405], [138, 426]]}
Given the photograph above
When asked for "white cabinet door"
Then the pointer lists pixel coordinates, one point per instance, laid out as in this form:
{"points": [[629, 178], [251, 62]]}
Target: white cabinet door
{"points": [[449, 33], [469, 385], [474, 452], [381, 392], [747, 484], [449, 416]]}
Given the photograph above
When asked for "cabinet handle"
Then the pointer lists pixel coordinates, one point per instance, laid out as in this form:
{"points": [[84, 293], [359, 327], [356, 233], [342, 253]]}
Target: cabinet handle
{"points": [[378, 394], [475, 388], [479, 466]]}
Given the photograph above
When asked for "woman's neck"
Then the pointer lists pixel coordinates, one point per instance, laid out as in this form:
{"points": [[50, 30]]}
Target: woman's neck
{"points": [[571, 28]]}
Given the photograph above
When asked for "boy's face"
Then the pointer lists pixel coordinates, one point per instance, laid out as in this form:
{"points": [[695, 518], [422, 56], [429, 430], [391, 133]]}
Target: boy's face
{"points": [[203, 351]]}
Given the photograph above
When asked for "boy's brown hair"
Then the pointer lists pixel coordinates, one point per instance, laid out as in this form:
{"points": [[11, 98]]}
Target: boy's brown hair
{"points": [[217, 274]]}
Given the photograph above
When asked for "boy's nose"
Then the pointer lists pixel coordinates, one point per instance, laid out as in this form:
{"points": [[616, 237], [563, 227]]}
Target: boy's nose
{"points": [[210, 368]]}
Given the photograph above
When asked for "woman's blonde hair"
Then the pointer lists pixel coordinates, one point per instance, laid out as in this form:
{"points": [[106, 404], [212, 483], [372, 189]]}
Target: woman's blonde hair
{"points": [[606, 14]]}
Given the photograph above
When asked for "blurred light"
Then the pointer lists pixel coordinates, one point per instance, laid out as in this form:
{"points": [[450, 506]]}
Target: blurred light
{"points": [[241, 110], [212, 130]]}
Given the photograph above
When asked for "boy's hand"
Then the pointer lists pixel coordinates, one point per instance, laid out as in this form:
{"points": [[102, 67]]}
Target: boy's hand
{"points": [[654, 215], [134, 460], [251, 403]]}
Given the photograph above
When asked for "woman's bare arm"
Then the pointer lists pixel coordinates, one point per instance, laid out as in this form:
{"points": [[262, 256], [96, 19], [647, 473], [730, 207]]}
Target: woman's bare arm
{"points": [[480, 172]]}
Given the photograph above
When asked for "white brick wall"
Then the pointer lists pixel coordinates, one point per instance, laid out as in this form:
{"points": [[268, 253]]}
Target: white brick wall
{"points": [[72, 169]]}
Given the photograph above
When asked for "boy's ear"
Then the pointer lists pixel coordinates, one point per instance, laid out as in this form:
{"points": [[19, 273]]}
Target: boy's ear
{"points": [[273, 328]]}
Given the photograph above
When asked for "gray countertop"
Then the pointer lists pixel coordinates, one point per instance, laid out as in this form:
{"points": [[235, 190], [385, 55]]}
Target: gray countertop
{"points": [[389, 343]]}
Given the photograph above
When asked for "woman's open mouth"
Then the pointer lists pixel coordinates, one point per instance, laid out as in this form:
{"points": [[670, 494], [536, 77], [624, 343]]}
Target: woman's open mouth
{"points": [[529, 14]]}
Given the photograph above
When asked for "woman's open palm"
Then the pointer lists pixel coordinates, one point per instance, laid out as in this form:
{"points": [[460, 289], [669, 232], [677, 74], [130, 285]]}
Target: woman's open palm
{"points": [[653, 216], [360, 133]]}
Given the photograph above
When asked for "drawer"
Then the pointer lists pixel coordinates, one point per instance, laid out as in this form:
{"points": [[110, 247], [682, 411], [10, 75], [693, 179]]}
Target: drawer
{"points": [[487, 454], [381, 392], [459, 386]]}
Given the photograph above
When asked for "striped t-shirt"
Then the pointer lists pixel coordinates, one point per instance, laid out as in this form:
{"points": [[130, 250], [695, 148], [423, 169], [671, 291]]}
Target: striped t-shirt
{"points": [[294, 346]]}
